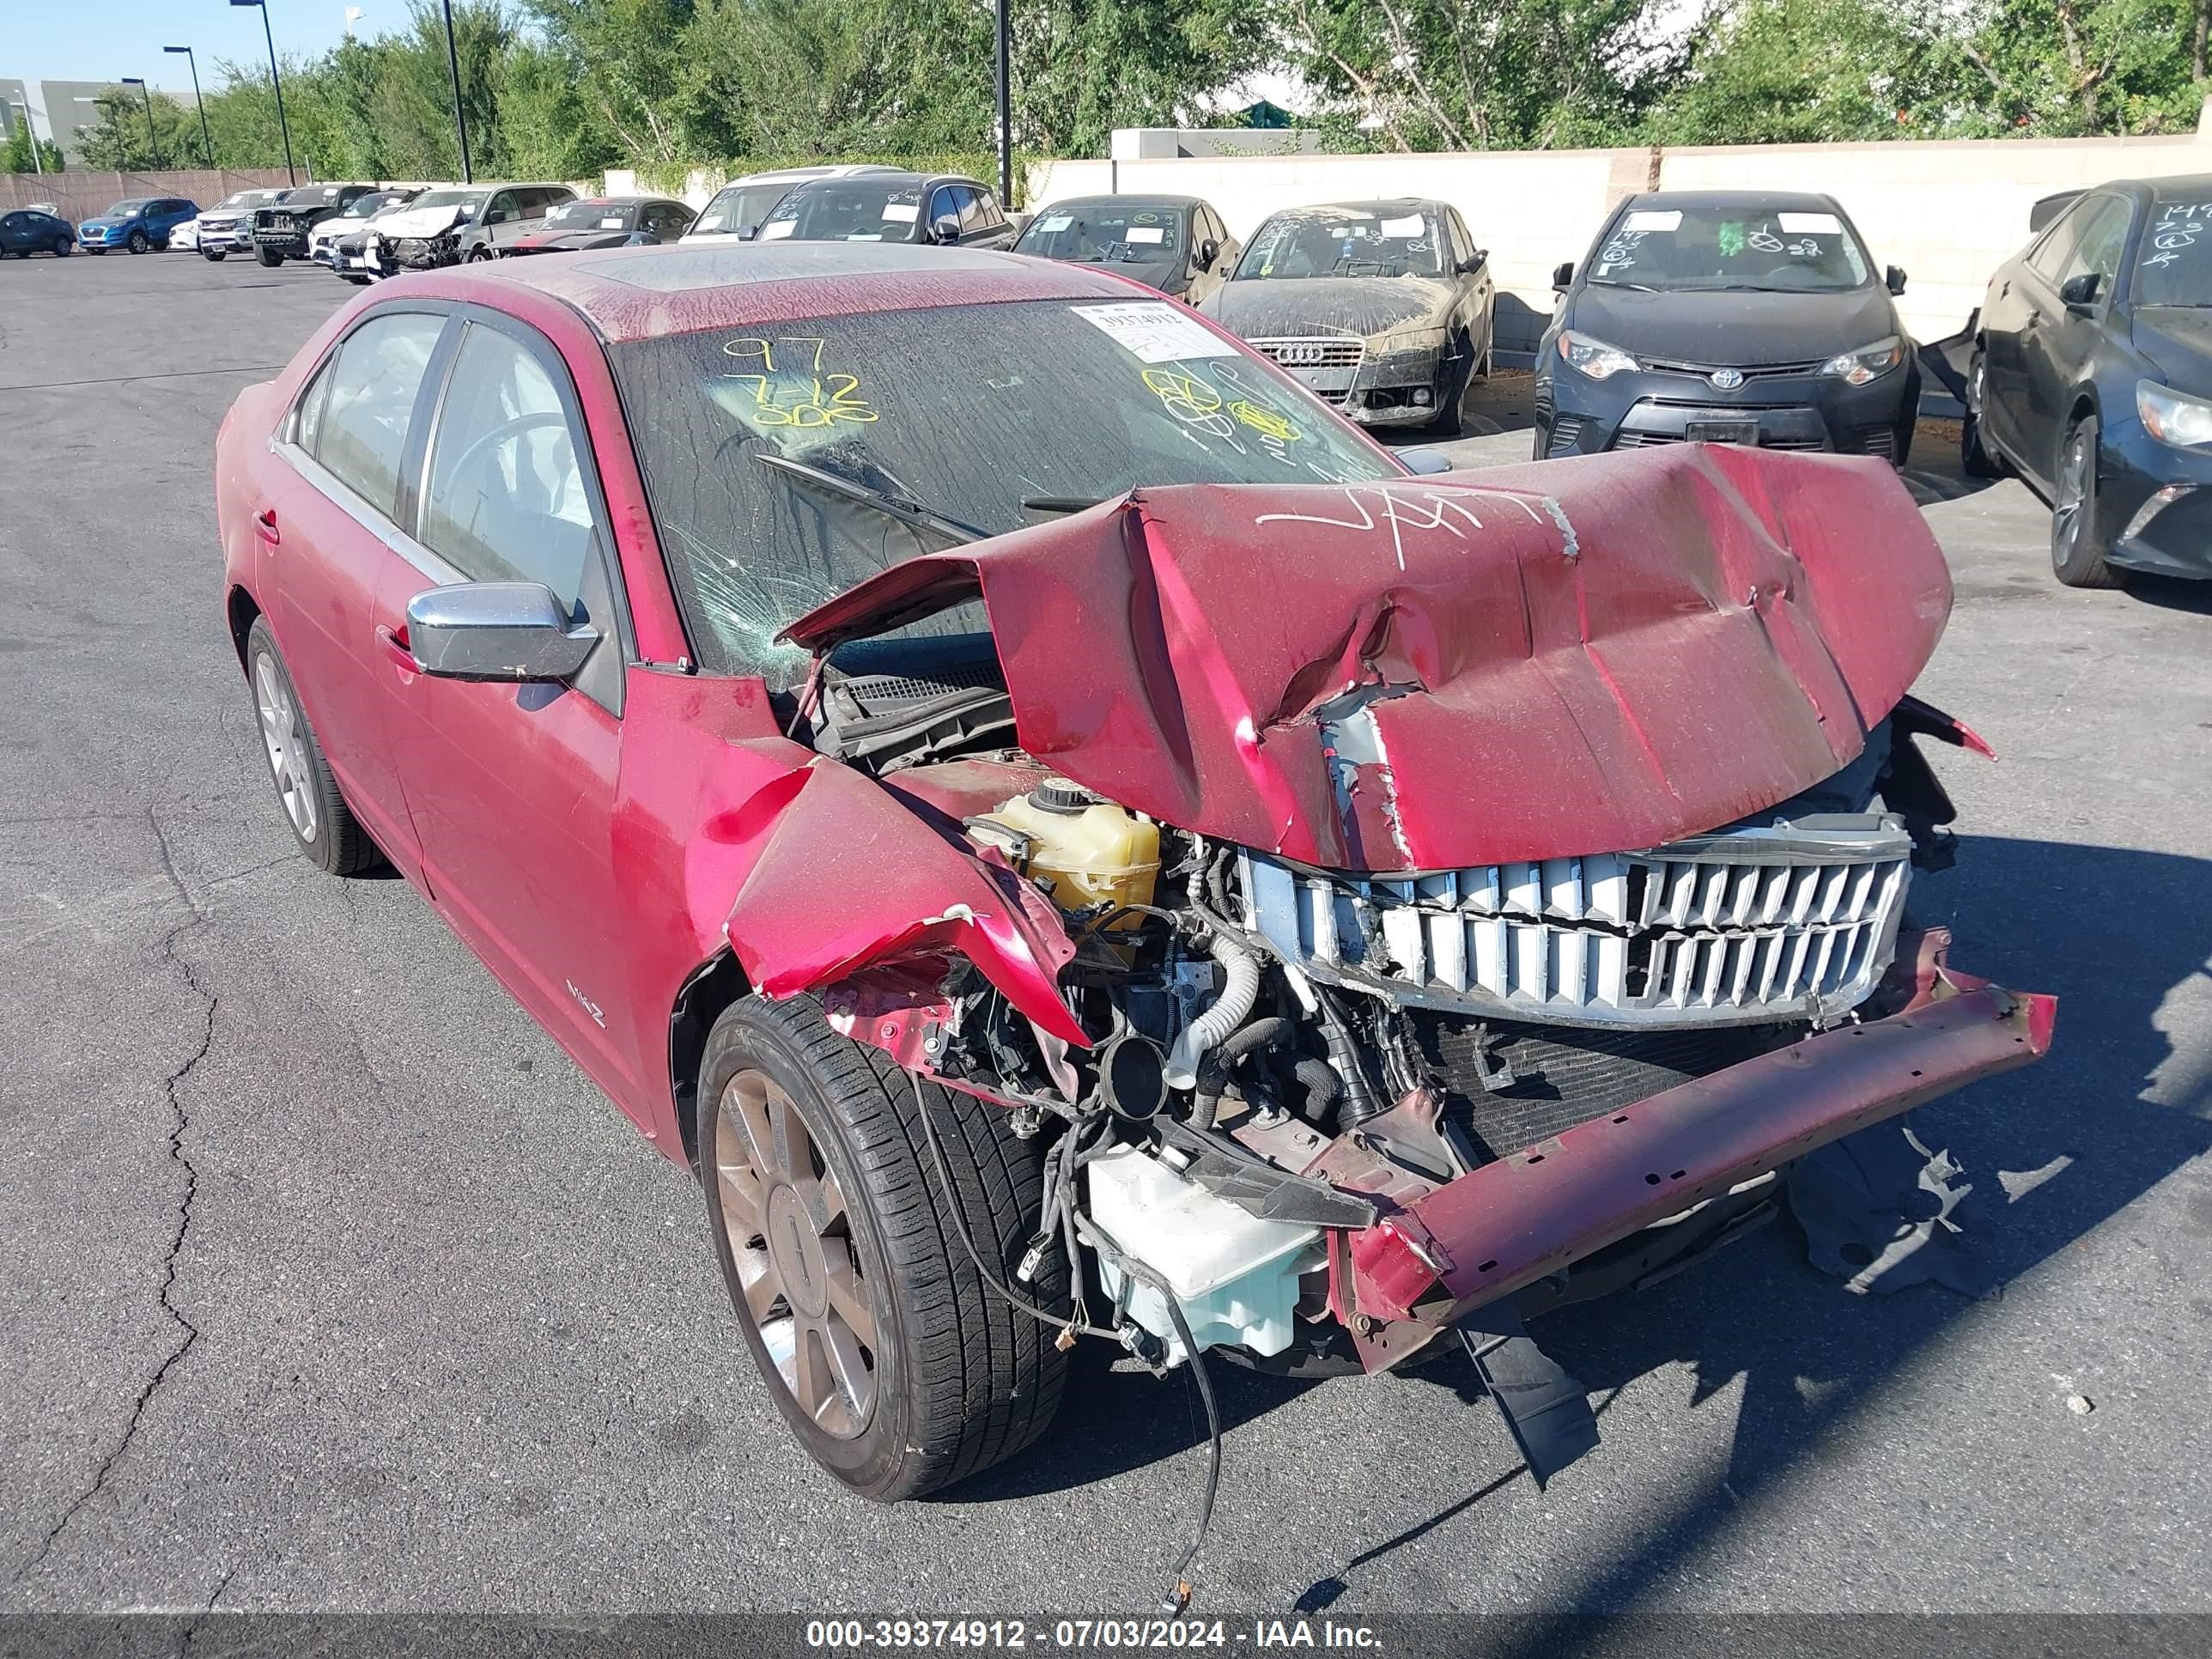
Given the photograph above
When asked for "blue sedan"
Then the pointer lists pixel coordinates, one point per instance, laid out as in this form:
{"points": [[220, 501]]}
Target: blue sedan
{"points": [[142, 223]]}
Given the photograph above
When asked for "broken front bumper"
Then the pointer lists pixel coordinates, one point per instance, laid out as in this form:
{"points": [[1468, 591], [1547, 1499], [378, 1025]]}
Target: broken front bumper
{"points": [[1513, 1222]]}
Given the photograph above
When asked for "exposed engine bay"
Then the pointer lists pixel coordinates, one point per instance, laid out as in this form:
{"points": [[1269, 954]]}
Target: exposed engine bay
{"points": [[1393, 909], [1282, 1053]]}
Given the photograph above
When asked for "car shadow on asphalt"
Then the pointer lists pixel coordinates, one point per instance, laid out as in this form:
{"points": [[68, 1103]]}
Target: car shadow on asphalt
{"points": [[2111, 1112], [2171, 594]]}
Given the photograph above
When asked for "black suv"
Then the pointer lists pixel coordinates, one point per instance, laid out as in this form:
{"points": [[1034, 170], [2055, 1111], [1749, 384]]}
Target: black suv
{"points": [[940, 208], [280, 232]]}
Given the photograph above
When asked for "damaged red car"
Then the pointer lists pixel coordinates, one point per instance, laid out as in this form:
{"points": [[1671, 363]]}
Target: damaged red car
{"points": [[1065, 836]]}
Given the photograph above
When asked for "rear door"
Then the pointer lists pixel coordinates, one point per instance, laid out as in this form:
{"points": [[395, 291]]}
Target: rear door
{"points": [[329, 491], [2025, 290], [512, 786]]}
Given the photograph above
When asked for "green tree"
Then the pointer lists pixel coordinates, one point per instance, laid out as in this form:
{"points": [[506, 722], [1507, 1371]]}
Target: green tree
{"points": [[1486, 74], [119, 138], [18, 156]]}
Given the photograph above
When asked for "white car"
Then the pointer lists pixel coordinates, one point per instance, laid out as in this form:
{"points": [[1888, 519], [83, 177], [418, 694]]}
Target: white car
{"points": [[323, 241], [736, 212], [185, 236]]}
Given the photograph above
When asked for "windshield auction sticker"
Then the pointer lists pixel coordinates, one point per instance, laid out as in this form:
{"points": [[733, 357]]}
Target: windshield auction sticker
{"points": [[1155, 331]]}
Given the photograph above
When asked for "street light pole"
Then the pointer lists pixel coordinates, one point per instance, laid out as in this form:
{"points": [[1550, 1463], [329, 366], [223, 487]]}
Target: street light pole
{"points": [[461, 121], [207, 144], [38, 158], [276, 82], [153, 144], [1005, 107]]}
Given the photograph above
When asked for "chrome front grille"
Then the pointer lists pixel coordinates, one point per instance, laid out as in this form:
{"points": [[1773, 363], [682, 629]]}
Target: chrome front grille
{"points": [[1735, 928], [1749, 371], [1313, 351]]}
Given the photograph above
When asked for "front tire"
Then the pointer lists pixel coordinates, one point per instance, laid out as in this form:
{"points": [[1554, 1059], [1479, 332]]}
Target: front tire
{"points": [[2077, 549], [899, 1370], [322, 823], [213, 256], [139, 242], [269, 257]]}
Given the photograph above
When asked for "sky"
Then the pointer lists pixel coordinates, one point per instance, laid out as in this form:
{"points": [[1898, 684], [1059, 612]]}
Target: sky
{"points": [[107, 40]]}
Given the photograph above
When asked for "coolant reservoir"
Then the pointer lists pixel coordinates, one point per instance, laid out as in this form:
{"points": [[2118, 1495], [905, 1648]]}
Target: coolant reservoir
{"points": [[1091, 851]]}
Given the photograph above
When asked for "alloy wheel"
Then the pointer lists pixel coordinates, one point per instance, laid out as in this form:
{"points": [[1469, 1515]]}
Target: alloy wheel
{"points": [[798, 1264], [282, 735], [2069, 522]]}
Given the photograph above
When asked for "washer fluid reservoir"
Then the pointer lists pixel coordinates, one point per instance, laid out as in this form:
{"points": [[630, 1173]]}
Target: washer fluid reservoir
{"points": [[1091, 851]]}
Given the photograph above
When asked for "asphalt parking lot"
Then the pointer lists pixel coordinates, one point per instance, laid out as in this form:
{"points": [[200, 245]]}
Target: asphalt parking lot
{"points": [[331, 1285]]}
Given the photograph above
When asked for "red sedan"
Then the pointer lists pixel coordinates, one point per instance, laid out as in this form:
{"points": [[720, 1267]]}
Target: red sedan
{"points": [[1067, 836]]}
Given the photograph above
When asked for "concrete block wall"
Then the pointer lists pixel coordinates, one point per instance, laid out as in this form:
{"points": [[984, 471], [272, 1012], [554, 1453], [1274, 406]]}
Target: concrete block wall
{"points": [[1949, 211]]}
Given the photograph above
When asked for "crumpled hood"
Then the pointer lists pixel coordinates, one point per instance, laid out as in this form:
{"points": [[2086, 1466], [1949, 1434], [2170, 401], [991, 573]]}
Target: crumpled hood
{"points": [[2178, 339], [1579, 656], [417, 221], [1265, 308], [1738, 328]]}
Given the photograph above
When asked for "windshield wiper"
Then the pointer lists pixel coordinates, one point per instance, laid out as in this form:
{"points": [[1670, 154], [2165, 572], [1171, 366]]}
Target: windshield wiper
{"points": [[904, 508], [1060, 503], [1741, 287], [1607, 281]]}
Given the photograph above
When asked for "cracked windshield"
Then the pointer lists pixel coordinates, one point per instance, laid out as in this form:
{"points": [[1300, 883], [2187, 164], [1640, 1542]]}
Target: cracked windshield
{"points": [[784, 467]]}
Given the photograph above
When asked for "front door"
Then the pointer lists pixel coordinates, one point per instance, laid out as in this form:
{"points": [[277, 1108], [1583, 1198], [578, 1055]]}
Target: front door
{"points": [[324, 501], [512, 786], [2055, 352]]}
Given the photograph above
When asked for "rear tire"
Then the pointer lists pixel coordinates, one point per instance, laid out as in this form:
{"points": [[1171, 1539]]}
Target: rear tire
{"points": [[2078, 552], [321, 822], [1974, 459], [851, 1284], [64, 247]]}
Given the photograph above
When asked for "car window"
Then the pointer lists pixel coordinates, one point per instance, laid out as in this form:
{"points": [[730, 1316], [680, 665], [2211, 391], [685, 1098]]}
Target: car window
{"points": [[507, 499], [949, 201], [1131, 231], [1381, 238], [2049, 256], [1708, 247], [739, 205], [502, 208], [2174, 266], [987, 216], [362, 430], [2103, 238], [849, 211], [967, 410]]}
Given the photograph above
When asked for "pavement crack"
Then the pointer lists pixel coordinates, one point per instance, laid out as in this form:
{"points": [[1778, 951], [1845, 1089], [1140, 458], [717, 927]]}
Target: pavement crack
{"points": [[179, 1122]]}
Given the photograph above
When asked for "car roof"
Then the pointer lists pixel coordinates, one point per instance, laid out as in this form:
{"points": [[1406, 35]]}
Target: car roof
{"points": [[1134, 197], [898, 176], [635, 294], [2193, 185], [1395, 204], [799, 175], [1782, 200]]}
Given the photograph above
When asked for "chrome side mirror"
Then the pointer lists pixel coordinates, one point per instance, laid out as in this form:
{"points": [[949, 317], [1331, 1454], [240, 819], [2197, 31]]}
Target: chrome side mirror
{"points": [[517, 631]]}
